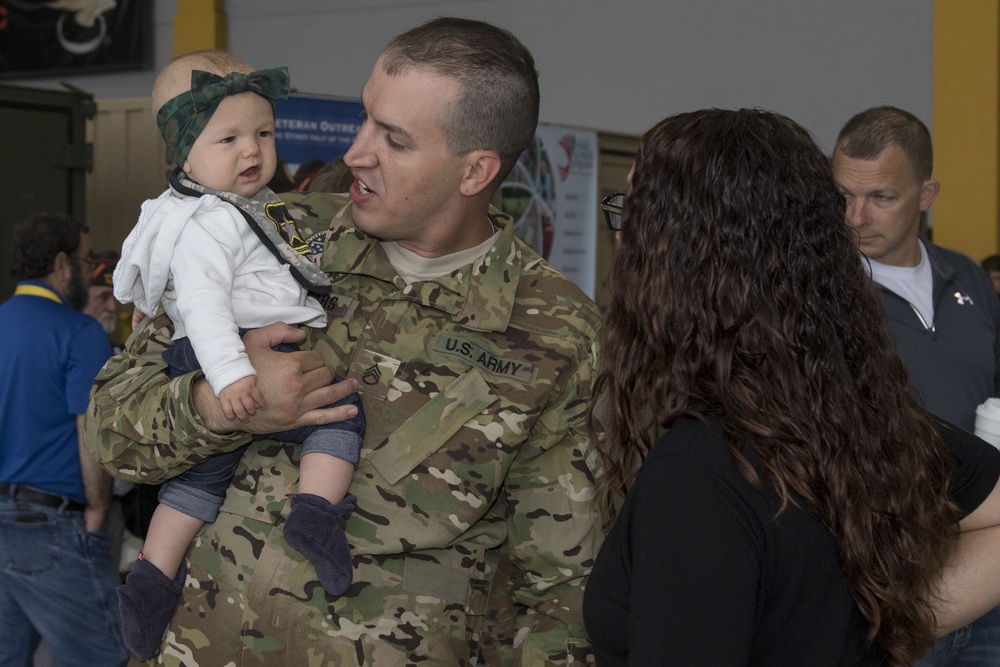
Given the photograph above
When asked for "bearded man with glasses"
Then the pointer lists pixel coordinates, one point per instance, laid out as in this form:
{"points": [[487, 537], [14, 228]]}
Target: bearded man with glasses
{"points": [[57, 581]]}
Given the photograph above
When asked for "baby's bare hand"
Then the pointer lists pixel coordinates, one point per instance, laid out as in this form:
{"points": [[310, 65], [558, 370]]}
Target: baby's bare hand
{"points": [[241, 399]]}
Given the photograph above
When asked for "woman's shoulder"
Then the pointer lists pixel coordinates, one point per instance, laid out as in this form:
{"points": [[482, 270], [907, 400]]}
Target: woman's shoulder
{"points": [[690, 438], [691, 448], [690, 478]]}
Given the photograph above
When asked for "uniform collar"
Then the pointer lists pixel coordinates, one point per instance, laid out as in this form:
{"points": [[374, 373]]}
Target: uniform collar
{"points": [[478, 296]]}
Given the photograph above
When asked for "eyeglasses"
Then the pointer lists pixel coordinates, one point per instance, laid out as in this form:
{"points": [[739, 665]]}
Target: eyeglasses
{"points": [[89, 261], [612, 207]]}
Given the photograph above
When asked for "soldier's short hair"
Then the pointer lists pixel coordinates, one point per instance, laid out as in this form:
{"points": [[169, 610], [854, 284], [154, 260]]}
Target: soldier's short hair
{"points": [[497, 108], [868, 133], [38, 238]]}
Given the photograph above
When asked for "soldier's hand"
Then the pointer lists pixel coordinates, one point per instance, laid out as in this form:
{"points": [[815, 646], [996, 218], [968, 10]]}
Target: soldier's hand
{"points": [[137, 317], [295, 385]]}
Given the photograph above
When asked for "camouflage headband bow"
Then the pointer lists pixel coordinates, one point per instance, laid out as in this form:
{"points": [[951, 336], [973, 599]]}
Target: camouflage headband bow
{"points": [[182, 118]]}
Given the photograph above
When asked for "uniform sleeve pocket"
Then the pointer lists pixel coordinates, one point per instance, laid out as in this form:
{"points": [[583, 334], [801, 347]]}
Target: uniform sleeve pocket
{"points": [[432, 425]]}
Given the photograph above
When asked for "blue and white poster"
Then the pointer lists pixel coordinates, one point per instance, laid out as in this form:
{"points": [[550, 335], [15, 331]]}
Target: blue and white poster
{"points": [[311, 130]]}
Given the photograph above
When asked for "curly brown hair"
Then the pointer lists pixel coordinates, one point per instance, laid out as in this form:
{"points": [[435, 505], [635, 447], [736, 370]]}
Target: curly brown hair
{"points": [[737, 290]]}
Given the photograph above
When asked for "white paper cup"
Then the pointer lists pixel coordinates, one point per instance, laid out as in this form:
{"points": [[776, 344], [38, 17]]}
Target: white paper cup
{"points": [[988, 421]]}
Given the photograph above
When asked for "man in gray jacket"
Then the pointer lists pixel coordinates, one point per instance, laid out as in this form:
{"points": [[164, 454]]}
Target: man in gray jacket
{"points": [[940, 306]]}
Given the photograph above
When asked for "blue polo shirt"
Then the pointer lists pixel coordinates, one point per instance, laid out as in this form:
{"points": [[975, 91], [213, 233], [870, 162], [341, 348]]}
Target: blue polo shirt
{"points": [[49, 356]]}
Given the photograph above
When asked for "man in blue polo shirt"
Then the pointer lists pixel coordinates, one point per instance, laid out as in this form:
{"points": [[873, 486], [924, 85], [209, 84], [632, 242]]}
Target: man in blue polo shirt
{"points": [[57, 582]]}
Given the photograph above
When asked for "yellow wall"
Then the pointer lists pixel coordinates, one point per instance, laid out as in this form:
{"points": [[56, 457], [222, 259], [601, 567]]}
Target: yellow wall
{"points": [[199, 24], [966, 125]]}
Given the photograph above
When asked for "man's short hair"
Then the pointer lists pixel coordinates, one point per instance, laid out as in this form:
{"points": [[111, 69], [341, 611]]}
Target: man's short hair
{"points": [[333, 176], [497, 108], [37, 239], [991, 263], [868, 133]]}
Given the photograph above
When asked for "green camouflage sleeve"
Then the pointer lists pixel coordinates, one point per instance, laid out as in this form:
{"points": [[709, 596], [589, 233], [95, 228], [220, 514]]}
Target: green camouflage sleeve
{"points": [[140, 425], [556, 527]]}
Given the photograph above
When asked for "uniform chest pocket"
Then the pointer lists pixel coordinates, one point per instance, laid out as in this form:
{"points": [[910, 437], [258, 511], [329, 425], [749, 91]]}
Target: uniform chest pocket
{"points": [[432, 425]]}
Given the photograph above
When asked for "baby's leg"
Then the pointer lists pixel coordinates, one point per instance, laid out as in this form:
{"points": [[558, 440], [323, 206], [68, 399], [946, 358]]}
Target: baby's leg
{"points": [[319, 512], [325, 476], [169, 536], [151, 590], [315, 524]]}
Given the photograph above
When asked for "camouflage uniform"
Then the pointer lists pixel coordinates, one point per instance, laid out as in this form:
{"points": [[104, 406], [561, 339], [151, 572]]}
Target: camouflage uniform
{"points": [[476, 387]]}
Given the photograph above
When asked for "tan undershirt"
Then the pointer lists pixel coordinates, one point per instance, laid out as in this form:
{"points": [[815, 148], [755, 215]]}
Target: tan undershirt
{"points": [[415, 268]]}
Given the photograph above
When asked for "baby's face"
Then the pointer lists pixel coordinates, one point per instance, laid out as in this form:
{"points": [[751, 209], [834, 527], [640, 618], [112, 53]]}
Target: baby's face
{"points": [[235, 152]]}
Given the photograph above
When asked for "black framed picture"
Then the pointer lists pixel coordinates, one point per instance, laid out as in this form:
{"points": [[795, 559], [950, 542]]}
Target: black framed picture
{"points": [[54, 37]]}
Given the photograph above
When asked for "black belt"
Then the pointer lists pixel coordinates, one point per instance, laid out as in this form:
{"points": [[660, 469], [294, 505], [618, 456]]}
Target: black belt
{"points": [[30, 495]]}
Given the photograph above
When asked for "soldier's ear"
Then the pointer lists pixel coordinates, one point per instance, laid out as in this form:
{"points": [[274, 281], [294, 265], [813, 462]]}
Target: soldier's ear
{"points": [[481, 169]]}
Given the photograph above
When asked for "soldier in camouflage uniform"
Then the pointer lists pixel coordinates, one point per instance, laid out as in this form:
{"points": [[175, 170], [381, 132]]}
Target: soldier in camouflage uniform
{"points": [[475, 381]]}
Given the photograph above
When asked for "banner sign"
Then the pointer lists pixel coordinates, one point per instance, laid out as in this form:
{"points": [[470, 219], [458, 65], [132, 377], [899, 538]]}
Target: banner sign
{"points": [[552, 196], [47, 37], [315, 129]]}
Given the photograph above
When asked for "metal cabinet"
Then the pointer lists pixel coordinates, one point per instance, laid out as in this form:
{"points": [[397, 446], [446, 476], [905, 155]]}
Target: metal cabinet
{"points": [[44, 158]]}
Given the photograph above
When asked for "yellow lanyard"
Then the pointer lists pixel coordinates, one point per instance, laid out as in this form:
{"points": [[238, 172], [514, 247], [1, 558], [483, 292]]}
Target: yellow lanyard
{"points": [[37, 290]]}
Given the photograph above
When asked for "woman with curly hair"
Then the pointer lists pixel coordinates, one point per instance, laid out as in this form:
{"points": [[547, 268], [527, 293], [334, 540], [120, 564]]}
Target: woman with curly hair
{"points": [[800, 508]]}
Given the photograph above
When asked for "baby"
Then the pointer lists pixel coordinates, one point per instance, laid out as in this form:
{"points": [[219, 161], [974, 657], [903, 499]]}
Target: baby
{"points": [[219, 252]]}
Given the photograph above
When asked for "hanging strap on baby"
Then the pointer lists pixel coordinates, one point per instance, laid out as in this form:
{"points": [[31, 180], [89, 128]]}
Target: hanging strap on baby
{"points": [[270, 220]]}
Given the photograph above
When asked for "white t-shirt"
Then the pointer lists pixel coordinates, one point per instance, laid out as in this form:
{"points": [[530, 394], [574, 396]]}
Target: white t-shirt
{"points": [[913, 283]]}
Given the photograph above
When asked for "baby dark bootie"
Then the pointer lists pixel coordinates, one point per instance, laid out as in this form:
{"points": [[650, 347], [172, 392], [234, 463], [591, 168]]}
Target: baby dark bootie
{"points": [[147, 601], [315, 527]]}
